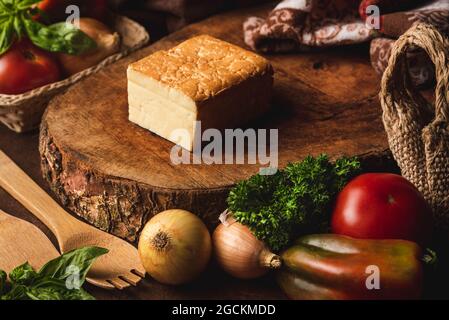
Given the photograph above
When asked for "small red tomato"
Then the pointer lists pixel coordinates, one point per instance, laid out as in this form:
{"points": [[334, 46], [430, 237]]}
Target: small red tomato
{"points": [[382, 206], [25, 67], [49, 5], [362, 8]]}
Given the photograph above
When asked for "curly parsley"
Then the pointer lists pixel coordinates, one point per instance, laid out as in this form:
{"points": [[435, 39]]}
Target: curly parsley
{"points": [[294, 201]]}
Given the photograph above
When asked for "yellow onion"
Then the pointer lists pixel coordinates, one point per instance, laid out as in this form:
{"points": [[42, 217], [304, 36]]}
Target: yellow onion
{"points": [[240, 253], [175, 247], [108, 43]]}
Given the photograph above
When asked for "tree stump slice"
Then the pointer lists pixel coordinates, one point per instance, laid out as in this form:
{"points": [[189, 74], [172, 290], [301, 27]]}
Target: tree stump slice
{"points": [[117, 175]]}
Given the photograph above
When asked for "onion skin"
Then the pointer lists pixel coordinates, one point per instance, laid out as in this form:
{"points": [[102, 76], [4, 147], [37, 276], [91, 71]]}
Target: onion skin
{"points": [[240, 253], [108, 43], [175, 247]]}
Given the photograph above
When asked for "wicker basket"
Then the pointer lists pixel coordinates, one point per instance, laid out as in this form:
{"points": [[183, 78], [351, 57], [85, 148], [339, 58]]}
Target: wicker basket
{"points": [[23, 112], [418, 132]]}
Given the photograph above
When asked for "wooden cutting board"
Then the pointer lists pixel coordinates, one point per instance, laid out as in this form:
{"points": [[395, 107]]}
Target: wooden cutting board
{"points": [[118, 175]]}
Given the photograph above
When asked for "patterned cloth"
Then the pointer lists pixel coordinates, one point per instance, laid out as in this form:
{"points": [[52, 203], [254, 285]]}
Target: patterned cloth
{"points": [[299, 25]]}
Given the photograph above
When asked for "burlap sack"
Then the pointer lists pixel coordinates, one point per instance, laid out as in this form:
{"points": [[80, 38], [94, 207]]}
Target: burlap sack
{"points": [[418, 132]]}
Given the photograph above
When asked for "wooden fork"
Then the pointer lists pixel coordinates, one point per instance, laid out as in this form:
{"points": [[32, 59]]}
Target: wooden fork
{"points": [[20, 242], [120, 268]]}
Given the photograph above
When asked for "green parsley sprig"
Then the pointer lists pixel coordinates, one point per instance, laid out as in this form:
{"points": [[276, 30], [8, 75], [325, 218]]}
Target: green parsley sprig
{"points": [[294, 201]]}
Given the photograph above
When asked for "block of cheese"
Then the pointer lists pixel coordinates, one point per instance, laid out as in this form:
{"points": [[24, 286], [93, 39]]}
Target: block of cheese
{"points": [[202, 79]]}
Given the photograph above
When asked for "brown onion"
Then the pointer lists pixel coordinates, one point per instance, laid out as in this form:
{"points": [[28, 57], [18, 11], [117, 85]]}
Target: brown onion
{"points": [[108, 43], [240, 253], [175, 247]]}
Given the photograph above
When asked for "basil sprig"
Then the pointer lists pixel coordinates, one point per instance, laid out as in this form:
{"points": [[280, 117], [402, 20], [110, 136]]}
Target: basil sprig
{"points": [[50, 282], [16, 20]]}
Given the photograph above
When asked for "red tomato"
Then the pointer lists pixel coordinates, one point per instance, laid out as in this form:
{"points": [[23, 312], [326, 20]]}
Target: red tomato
{"points": [[48, 5], [362, 8], [25, 67], [382, 206]]}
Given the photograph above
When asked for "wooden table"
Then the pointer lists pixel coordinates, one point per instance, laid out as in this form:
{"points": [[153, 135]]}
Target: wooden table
{"points": [[213, 284], [117, 175]]}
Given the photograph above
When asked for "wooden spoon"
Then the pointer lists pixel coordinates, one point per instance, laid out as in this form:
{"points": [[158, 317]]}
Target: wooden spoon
{"points": [[120, 268], [20, 242]]}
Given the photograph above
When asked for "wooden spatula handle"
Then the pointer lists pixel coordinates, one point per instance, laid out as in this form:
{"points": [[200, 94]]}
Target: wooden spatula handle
{"points": [[19, 185]]}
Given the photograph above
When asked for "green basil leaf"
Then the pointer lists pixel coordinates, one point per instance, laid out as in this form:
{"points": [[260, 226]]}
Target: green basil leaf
{"points": [[59, 37], [52, 282], [18, 292], [51, 293], [18, 26], [77, 261], [24, 4], [54, 289], [2, 282], [6, 35], [5, 6], [23, 275], [79, 294], [49, 282], [44, 294], [47, 289]]}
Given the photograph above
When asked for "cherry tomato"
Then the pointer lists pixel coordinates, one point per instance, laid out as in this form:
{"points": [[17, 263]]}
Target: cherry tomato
{"points": [[48, 5], [25, 67], [382, 206]]}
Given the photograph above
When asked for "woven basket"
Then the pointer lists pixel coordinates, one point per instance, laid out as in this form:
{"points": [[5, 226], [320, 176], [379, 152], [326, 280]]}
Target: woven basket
{"points": [[23, 112], [418, 132]]}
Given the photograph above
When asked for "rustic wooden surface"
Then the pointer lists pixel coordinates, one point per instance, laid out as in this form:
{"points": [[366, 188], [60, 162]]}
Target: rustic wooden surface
{"points": [[213, 284], [117, 175], [120, 268]]}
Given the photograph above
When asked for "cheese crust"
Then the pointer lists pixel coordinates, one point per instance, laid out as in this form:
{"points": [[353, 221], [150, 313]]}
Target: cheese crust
{"points": [[202, 79]]}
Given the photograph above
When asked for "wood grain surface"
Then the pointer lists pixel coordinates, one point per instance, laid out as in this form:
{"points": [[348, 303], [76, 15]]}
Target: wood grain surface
{"points": [[118, 175], [215, 284], [119, 268]]}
